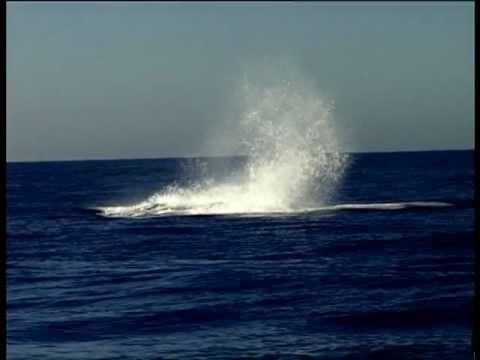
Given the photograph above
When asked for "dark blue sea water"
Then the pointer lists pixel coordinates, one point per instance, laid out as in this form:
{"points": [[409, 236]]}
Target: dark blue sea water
{"points": [[345, 283]]}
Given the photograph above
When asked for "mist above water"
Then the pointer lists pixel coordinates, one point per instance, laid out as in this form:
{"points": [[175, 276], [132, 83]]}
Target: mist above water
{"points": [[288, 134]]}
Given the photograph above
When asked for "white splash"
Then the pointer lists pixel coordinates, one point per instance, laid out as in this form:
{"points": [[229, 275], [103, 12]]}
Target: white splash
{"points": [[288, 133]]}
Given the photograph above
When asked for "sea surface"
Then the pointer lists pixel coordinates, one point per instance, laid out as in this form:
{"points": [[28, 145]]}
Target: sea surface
{"points": [[382, 270]]}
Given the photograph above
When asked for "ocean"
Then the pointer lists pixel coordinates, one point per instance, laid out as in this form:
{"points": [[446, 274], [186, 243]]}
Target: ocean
{"points": [[139, 259]]}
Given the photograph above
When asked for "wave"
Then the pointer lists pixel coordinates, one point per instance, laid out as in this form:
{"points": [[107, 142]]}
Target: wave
{"points": [[175, 205]]}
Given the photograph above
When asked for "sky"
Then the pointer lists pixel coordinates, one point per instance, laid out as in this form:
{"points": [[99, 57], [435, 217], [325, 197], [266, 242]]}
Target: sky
{"points": [[124, 80]]}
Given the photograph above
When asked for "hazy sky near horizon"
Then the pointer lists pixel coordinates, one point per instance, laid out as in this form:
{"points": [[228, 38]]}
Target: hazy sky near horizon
{"points": [[136, 80]]}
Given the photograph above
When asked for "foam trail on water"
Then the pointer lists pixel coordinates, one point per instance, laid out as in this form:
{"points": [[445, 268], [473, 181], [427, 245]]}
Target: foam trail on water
{"points": [[384, 206], [153, 207], [288, 133]]}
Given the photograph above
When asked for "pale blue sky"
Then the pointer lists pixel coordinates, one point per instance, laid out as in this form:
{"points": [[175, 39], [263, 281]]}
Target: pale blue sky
{"points": [[134, 80]]}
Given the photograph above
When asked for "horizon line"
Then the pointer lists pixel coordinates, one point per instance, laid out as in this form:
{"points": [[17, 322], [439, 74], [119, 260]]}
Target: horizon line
{"points": [[223, 156]]}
